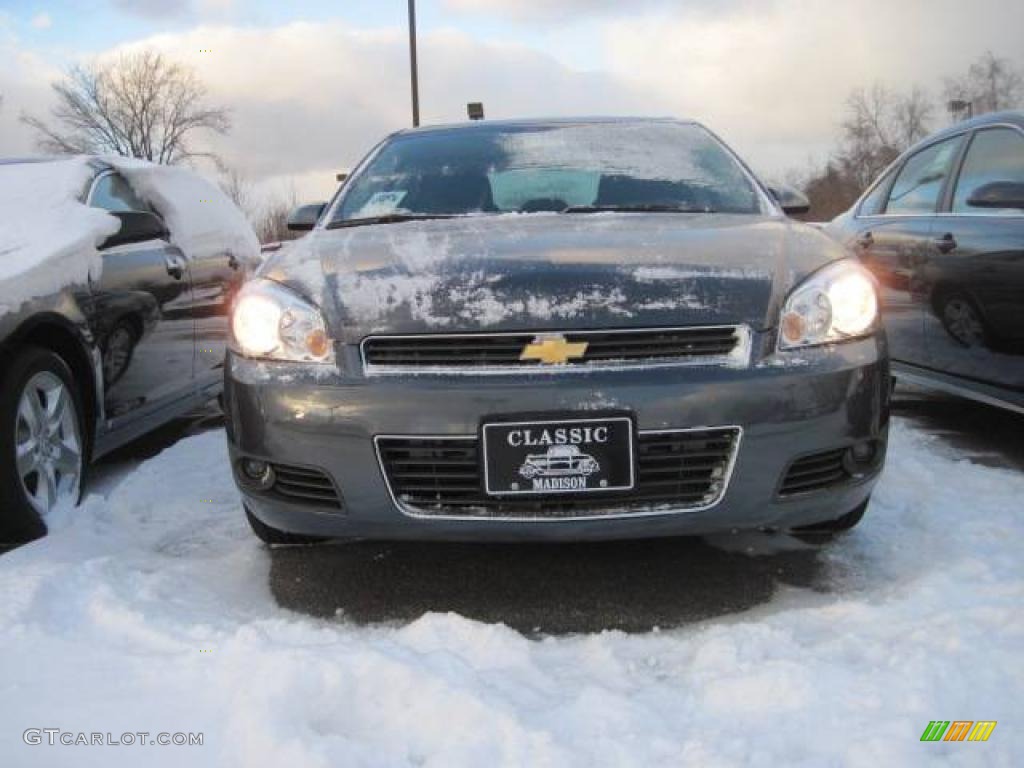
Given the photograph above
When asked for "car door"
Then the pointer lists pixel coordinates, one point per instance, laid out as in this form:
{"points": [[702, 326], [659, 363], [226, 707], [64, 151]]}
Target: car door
{"points": [[141, 315], [892, 235], [975, 327]]}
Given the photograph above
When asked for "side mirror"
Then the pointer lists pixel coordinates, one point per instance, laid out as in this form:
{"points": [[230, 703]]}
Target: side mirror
{"points": [[305, 216], [136, 227], [792, 200], [998, 194]]}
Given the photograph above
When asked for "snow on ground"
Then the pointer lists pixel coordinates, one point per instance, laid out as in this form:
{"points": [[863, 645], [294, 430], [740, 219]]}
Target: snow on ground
{"points": [[102, 625]]}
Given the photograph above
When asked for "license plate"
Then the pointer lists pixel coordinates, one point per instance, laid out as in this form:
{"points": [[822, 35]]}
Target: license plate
{"points": [[559, 456]]}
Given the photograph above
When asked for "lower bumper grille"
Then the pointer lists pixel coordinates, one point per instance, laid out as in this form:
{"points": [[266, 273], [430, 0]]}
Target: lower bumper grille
{"points": [[815, 472], [676, 471], [302, 484]]}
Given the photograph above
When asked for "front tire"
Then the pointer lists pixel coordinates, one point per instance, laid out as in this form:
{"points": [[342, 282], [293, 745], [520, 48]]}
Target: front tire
{"points": [[42, 443]]}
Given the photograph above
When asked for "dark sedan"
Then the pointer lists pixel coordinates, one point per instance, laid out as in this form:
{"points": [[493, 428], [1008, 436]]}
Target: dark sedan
{"points": [[943, 231], [480, 303]]}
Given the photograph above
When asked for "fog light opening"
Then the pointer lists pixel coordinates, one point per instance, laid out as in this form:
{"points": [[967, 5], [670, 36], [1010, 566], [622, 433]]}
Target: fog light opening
{"points": [[258, 473], [860, 457]]}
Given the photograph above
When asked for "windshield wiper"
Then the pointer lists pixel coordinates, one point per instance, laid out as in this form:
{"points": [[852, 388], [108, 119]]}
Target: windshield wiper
{"points": [[639, 208], [388, 218]]}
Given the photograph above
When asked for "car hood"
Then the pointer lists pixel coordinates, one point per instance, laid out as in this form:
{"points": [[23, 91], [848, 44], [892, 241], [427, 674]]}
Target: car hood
{"points": [[552, 271]]}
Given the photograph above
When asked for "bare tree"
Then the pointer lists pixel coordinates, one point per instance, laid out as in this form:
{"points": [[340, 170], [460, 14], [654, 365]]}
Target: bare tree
{"points": [[140, 105], [991, 83], [237, 186], [272, 224], [879, 125]]}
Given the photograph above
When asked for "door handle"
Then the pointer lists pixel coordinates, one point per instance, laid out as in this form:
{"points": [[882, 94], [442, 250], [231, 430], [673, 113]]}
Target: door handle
{"points": [[865, 241], [946, 243], [175, 267]]}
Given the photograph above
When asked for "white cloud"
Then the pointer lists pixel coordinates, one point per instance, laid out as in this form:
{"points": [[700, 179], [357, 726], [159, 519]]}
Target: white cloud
{"points": [[42, 21], [773, 77], [165, 9], [24, 86], [309, 99], [542, 10]]}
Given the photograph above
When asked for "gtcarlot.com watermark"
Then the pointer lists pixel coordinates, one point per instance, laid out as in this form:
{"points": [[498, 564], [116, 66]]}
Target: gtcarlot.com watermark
{"points": [[56, 737]]}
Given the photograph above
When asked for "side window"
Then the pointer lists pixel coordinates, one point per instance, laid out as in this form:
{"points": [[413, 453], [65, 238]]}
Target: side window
{"points": [[875, 200], [995, 154], [112, 193], [919, 183]]}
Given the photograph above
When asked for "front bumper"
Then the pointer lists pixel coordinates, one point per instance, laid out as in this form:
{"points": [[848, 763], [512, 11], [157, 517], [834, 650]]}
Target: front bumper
{"points": [[787, 406]]}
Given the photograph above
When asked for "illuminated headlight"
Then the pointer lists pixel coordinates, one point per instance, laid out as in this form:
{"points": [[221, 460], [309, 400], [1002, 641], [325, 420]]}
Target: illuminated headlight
{"points": [[835, 303], [271, 322]]}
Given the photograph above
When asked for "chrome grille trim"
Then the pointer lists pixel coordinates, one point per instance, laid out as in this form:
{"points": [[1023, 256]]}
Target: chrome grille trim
{"points": [[624, 510], [508, 342]]}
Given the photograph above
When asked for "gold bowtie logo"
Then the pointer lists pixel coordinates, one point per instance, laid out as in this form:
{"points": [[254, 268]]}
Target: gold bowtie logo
{"points": [[553, 350]]}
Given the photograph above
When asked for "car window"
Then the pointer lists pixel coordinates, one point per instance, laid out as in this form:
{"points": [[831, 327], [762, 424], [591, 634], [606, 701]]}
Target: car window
{"points": [[995, 154], [875, 200], [920, 181], [112, 193], [526, 169]]}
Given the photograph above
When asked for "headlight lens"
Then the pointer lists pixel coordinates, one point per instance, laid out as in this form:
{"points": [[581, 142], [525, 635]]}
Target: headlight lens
{"points": [[272, 322], [837, 302]]}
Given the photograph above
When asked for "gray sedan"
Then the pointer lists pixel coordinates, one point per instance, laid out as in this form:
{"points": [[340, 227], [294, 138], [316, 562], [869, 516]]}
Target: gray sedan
{"points": [[571, 329]]}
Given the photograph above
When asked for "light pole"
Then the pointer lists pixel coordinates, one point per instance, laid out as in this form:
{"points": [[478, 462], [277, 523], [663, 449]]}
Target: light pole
{"points": [[412, 64]]}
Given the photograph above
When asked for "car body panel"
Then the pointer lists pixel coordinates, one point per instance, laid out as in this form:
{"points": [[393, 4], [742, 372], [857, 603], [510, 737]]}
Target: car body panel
{"points": [[512, 272], [787, 406], [937, 265]]}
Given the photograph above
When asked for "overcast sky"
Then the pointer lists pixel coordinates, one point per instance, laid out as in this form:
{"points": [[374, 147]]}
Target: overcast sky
{"points": [[313, 84]]}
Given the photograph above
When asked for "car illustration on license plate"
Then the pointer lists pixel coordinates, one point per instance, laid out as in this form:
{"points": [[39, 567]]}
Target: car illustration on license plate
{"points": [[575, 455]]}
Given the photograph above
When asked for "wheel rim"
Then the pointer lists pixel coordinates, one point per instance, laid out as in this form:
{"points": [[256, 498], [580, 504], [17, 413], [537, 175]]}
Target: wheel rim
{"points": [[963, 323], [47, 444]]}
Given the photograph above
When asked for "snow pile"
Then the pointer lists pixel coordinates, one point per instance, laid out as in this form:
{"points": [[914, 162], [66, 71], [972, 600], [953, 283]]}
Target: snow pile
{"points": [[48, 239], [202, 219], [918, 618]]}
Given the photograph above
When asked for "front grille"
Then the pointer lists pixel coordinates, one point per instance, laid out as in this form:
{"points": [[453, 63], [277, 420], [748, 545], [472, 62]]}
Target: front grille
{"points": [[676, 471], [699, 345], [302, 484], [815, 472]]}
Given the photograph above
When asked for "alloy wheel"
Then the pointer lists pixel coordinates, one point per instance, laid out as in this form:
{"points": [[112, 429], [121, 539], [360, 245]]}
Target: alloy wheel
{"points": [[47, 443]]}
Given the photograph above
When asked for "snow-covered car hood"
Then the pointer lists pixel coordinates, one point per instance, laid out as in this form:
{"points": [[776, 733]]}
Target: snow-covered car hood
{"points": [[553, 271]]}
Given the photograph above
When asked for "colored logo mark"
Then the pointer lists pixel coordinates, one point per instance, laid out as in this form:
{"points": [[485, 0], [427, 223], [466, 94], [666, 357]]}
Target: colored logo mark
{"points": [[958, 730]]}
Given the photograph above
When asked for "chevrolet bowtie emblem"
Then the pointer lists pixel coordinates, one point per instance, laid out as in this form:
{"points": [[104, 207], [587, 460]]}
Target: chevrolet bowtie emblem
{"points": [[553, 350]]}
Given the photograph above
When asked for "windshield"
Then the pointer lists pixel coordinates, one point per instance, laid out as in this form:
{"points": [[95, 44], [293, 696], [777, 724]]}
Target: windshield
{"points": [[653, 165]]}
